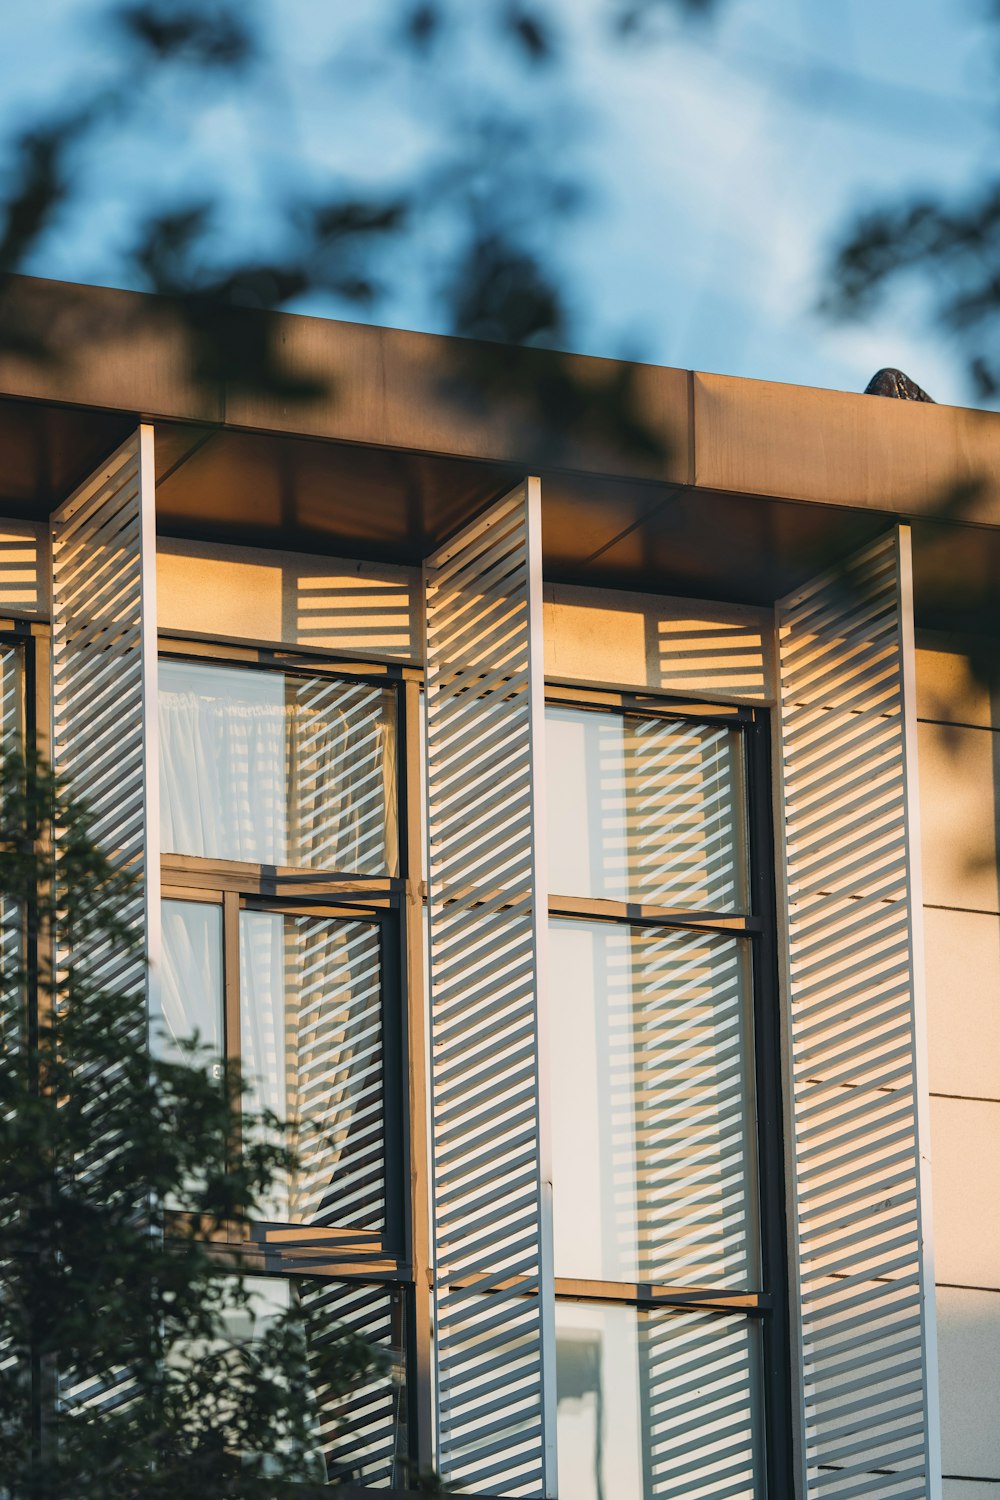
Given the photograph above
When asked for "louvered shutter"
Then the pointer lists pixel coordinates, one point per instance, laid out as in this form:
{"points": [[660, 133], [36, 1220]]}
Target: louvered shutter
{"points": [[104, 741], [859, 1126], [487, 910]]}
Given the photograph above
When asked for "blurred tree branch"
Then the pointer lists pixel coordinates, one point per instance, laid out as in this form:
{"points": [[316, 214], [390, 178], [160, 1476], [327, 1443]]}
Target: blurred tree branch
{"points": [[490, 176]]}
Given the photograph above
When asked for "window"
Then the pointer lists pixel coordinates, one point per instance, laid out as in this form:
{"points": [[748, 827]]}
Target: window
{"points": [[668, 1228], [13, 705], [282, 950], [277, 768], [309, 1035], [11, 692]]}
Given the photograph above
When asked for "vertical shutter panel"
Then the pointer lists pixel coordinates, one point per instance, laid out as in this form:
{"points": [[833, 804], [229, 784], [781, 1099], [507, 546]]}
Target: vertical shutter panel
{"points": [[104, 741], [856, 1017], [487, 909]]}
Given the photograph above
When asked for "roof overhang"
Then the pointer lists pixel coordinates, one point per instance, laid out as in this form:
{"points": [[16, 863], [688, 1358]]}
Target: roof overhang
{"points": [[747, 488]]}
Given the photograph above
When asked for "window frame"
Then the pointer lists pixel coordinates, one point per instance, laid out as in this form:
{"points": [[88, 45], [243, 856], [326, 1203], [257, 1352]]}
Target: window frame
{"points": [[768, 1308], [399, 1258], [288, 879], [398, 903], [25, 637]]}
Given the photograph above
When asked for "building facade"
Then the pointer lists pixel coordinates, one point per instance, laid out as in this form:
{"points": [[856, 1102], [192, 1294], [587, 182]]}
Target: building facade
{"points": [[590, 848]]}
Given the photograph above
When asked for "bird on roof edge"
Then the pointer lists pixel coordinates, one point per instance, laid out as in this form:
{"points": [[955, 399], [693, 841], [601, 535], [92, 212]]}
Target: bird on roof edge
{"points": [[890, 382]]}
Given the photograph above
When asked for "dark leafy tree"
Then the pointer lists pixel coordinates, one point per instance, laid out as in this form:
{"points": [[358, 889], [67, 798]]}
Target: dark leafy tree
{"points": [[126, 1365]]}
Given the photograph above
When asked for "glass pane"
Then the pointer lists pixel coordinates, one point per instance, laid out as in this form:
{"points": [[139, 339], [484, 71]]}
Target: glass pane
{"points": [[656, 1403], [644, 809], [363, 1434], [277, 769], [10, 696], [190, 980], [11, 954], [653, 1154], [311, 1027]]}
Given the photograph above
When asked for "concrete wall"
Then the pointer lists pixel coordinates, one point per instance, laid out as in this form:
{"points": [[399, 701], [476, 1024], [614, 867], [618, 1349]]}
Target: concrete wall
{"points": [[959, 750], [628, 640], [713, 651], [288, 598]]}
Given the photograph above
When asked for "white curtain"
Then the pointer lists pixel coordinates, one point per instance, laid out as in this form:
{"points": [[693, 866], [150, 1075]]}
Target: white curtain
{"points": [[276, 770], [190, 980], [312, 1053]]}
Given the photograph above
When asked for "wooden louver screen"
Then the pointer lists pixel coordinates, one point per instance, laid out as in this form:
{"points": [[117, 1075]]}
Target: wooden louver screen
{"points": [[856, 1031], [104, 678], [493, 1290]]}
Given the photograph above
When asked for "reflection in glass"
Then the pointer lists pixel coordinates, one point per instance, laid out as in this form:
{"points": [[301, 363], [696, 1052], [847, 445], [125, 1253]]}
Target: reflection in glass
{"points": [[363, 1433], [655, 1403], [311, 1031], [190, 980], [653, 1156], [246, 1323], [645, 809], [277, 769], [361, 1436]]}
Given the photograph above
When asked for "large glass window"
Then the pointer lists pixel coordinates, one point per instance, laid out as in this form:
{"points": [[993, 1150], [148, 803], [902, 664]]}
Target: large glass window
{"points": [[360, 1437], [667, 1259], [307, 1037], [653, 1132], [654, 1401], [190, 981], [311, 1036], [277, 768], [646, 809], [11, 948], [282, 919]]}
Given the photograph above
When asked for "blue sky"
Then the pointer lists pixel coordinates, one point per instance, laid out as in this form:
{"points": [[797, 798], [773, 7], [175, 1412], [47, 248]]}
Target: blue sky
{"points": [[719, 160]]}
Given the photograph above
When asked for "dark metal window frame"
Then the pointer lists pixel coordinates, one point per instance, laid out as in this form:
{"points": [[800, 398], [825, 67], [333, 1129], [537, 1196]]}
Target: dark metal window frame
{"points": [[23, 636], [393, 1259], [758, 928]]}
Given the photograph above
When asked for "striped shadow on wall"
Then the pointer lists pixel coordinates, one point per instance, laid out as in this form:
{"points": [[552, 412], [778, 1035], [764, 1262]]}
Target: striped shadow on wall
{"points": [[858, 1086]]}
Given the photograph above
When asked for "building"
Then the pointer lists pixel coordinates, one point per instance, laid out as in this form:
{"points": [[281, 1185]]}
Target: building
{"points": [[645, 1196]]}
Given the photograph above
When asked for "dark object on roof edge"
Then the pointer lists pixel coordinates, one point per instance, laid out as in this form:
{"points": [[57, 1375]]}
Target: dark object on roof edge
{"points": [[890, 382]]}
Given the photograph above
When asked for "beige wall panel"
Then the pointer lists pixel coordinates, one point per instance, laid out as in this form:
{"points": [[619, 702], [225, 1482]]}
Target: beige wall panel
{"points": [[969, 1362], [969, 1489], [947, 688], [963, 1002], [24, 568], [965, 1147], [289, 598], [648, 641], [842, 448], [959, 783]]}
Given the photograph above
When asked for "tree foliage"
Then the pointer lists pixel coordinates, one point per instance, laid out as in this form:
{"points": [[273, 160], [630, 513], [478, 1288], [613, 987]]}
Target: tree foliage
{"points": [[126, 1368], [490, 193]]}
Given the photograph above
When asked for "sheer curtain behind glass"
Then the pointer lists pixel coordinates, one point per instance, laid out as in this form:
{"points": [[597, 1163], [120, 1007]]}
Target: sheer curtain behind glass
{"points": [[272, 768], [190, 981], [311, 1024]]}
